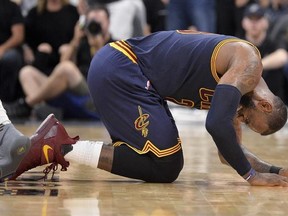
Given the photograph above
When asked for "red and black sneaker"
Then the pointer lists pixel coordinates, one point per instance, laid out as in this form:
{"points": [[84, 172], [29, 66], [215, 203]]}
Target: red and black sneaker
{"points": [[47, 146]]}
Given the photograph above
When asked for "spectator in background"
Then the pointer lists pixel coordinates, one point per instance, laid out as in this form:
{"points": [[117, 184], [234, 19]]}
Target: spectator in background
{"points": [[274, 8], [229, 16], [11, 38], [279, 33], [279, 26], [26, 5], [156, 15], [66, 88], [48, 26], [226, 19], [127, 17], [274, 57], [90, 34], [199, 15]]}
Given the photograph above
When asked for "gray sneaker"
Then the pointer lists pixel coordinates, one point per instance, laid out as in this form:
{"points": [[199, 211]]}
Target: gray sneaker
{"points": [[13, 147]]}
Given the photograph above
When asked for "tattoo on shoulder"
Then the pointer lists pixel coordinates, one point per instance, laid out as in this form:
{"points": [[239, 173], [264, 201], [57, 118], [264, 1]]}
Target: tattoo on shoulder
{"points": [[247, 80]]}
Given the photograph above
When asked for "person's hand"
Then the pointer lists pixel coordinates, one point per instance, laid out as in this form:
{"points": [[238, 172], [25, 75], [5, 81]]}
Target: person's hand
{"points": [[45, 48], [79, 31], [28, 55], [268, 179]]}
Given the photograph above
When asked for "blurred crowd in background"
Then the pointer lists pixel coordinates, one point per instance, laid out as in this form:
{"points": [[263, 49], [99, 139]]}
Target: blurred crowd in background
{"points": [[46, 46]]}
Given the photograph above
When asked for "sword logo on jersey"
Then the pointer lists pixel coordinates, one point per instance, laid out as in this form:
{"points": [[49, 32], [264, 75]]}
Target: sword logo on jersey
{"points": [[141, 123]]}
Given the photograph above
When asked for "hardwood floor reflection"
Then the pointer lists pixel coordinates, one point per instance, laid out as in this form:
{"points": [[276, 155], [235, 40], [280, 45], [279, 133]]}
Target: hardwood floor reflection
{"points": [[204, 187]]}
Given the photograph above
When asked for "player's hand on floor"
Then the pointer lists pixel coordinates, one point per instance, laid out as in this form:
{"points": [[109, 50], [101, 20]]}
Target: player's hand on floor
{"points": [[268, 179]]}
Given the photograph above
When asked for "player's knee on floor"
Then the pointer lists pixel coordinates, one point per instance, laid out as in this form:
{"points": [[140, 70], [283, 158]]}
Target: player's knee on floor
{"points": [[167, 169], [147, 167]]}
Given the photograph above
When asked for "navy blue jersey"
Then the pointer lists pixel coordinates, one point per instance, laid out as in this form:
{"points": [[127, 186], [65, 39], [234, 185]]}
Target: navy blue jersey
{"points": [[131, 80], [181, 64]]}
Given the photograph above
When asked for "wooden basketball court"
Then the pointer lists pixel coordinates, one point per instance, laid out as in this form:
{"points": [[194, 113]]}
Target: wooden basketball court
{"points": [[205, 186]]}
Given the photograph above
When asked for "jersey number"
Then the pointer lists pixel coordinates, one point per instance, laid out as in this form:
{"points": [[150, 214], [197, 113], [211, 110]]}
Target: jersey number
{"points": [[205, 96]]}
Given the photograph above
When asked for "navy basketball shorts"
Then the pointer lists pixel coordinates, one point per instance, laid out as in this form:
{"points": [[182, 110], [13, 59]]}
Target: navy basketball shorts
{"points": [[128, 105]]}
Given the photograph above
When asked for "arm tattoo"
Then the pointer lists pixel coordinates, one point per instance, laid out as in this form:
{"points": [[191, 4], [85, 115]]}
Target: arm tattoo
{"points": [[247, 80], [256, 163]]}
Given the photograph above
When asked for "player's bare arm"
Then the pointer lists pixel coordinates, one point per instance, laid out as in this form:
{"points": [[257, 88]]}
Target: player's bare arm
{"points": [[262, 177], [256, 163], [241, 73], [243, 69]]}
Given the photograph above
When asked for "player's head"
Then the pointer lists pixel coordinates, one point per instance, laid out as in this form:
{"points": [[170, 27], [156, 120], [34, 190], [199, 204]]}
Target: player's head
{"points": [[42, 4], [97, 19], [263, 115], [278, 117]]}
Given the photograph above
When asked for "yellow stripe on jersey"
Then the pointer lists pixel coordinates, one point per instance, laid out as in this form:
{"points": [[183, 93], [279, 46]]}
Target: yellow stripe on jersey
{"points": [[152, 148], [125, 48], [216, 51]]}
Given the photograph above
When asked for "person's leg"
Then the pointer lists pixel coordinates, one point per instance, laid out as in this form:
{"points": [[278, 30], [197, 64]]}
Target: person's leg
{"points": [[49, 144], [202, 14], [13, 146], [75, 103], [3, 117], [39, 88], [145, 140], [150, 164], [31, 79]]}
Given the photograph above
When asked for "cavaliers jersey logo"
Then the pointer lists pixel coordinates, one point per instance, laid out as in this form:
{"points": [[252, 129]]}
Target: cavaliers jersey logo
{"points": [[141, 123]]}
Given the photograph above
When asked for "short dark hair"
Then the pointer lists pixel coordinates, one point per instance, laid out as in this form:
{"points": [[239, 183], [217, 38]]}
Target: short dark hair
{"points": [[278, 118], [98, 6]]}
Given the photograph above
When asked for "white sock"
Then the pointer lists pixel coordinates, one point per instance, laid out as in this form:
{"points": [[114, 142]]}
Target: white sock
{"points": [[85, 152], [3, 116]]}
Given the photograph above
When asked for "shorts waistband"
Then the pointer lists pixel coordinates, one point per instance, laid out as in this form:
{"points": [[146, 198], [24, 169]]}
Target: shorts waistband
{"points": [[124, 48]]}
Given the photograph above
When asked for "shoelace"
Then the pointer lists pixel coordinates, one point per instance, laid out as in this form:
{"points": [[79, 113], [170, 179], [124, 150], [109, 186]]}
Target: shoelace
{"points": [[54, 167], [47, 170]]}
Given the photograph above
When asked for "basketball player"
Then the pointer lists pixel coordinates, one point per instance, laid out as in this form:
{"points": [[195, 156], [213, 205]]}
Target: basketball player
{"points": [[131, 80]]}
